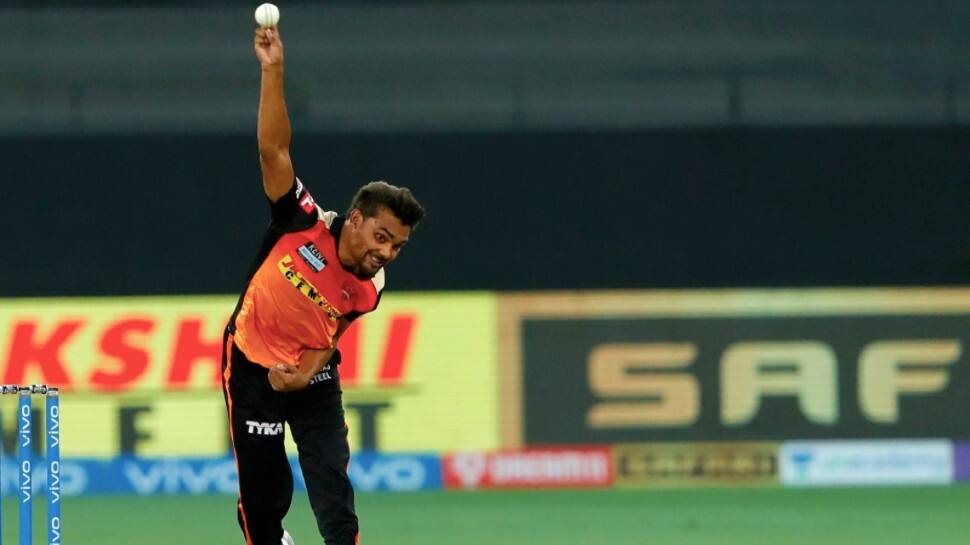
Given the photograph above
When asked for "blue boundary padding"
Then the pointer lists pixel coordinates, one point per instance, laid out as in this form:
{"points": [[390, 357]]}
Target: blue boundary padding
{"points": [[369, 471]]}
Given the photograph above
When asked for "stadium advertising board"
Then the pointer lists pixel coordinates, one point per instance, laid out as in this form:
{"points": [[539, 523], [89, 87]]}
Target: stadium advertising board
{"points": [[693, 464], [368, 471], [141, 376], [961, 461], [138, 476], [833, 463], [566, 467], [734, 365]]}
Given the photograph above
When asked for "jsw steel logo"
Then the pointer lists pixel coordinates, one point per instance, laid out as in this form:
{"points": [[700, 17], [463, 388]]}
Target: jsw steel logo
{"points": [[264, 428]]}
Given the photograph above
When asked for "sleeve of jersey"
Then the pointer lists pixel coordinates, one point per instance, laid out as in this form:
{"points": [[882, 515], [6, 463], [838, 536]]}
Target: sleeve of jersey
{"points": [[295, 207]]}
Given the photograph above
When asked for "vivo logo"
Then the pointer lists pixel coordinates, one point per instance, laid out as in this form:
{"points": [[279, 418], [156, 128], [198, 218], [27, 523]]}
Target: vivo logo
{"points": [[55, 427], [393, 473], [54, 482], [24, 425], [55, 531], [25, 482], [173, 477]]}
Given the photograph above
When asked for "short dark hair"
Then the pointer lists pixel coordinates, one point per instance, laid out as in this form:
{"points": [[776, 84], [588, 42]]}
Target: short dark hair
{"points": [[399, 200]]}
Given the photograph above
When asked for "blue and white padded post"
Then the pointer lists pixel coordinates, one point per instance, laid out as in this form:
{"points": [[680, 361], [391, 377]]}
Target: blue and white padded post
{"points": [[25, 488], [53, 467]]}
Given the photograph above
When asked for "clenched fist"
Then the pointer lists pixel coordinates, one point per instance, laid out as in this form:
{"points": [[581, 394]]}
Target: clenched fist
{"points": [[287, 378]]}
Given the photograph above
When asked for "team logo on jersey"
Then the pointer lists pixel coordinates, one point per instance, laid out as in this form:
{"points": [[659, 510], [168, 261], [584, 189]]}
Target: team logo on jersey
{"points": [[312, 256], [347, 292], [304, 198], [307, 203]]}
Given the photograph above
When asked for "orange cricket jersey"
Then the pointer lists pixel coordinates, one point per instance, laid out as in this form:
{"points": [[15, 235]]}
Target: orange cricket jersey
{"points": [[298, 291]]}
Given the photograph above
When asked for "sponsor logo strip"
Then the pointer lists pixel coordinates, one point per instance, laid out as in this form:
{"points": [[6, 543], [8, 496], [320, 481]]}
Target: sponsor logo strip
{"points": [[530, 468], [264, 428], [830, 463], [693, 464], [197, 476], [312, 257], [395, 472], [285, 265]]}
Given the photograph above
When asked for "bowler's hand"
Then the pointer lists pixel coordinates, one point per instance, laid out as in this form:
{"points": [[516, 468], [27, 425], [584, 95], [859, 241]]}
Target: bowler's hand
{"points": [[269, 47], [287, 378]]}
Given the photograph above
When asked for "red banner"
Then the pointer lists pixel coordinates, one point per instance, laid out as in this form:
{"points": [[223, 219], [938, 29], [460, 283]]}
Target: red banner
{"points": [[568, 467]]}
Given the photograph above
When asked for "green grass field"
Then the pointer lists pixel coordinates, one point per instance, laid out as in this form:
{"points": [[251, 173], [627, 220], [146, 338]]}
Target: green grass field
{"points": [[883, 516]]}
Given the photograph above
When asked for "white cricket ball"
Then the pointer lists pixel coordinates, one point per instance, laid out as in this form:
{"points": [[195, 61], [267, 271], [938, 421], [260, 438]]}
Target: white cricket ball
{"points": [[267, 15]]}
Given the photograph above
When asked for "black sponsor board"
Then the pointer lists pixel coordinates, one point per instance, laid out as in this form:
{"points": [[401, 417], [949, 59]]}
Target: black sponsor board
{"points": [[631, 379]]}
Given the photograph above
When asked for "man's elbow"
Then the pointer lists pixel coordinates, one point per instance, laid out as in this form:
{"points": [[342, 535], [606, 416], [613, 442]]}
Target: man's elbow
{"points": [[272, 156]]}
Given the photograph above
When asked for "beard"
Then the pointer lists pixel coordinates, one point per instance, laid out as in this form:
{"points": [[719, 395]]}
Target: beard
{"points": [[369, 265]]}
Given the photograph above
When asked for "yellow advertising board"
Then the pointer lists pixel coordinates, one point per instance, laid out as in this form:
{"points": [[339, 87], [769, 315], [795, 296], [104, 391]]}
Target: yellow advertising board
{"points": [[141, 375]]}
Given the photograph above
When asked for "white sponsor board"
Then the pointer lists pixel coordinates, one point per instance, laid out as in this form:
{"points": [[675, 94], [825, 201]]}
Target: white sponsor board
{"points": [[883, 462]]}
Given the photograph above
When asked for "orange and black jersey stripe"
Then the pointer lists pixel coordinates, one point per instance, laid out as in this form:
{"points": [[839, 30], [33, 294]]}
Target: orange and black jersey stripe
{"points": [[298, 292]]}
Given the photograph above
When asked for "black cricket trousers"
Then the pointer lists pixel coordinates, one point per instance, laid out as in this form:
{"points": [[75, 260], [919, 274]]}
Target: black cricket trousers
{"points": [[256, 417]]}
